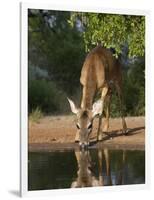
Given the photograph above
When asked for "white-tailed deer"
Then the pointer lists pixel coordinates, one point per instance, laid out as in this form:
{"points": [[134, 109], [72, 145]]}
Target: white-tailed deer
{"points": [[86, 176], [100, 71]]}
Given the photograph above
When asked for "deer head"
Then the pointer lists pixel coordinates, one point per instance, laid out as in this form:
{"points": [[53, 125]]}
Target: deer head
{"points": [[84, 120], [84, 175]]}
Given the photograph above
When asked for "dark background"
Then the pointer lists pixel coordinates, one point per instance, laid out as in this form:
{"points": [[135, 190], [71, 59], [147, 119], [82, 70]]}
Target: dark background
{"points": [[57, 47]]}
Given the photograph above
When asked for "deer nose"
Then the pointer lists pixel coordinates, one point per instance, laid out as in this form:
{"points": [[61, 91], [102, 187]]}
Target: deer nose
{"points": [[83, 145]]}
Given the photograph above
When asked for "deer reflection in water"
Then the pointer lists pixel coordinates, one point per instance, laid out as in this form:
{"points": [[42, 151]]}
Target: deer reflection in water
{"points": [[85, 176]]}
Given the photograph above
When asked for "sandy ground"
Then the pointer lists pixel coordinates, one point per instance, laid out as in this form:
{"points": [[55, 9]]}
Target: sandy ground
{"points": [[58, 132]]}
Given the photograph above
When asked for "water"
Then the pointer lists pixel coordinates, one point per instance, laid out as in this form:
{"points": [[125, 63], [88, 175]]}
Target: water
{"points": [[68, 169]]}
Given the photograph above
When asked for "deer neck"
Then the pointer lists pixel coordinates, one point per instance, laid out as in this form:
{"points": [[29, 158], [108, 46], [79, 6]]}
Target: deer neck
{"points": [[87, 97]]}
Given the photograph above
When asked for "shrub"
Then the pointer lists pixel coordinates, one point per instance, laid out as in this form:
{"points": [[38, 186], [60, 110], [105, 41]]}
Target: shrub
{"points": [[36, 115], [45, 95]]}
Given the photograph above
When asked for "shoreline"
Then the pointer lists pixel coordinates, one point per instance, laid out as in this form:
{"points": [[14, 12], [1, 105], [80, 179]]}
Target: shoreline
{"points": [[48, 147], [58, 133]]}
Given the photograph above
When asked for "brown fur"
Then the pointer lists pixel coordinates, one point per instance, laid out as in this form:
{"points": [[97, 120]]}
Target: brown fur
{"points": [[85, 176], [100, 70]]}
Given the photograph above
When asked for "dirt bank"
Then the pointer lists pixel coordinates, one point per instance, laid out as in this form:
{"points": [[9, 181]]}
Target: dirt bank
{"points": [[58, 133]]}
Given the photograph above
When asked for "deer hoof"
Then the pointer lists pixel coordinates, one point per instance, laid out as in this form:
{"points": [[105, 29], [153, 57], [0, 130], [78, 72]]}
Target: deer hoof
{"points": [[125, 131]]}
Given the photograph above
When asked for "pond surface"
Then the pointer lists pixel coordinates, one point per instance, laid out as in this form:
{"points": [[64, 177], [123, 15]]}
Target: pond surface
{"points": [[90, 168]]}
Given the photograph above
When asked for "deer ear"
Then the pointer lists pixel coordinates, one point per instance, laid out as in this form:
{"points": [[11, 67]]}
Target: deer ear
{"points": [[97, 108], [74, 184], [73, 107]]}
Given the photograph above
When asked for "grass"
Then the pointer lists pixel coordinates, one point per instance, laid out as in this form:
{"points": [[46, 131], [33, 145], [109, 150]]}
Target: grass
{"points": [[36, 115]]}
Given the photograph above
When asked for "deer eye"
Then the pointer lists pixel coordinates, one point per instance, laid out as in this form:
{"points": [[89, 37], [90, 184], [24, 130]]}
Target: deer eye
{"points": [[90, 126], [77, 125]]}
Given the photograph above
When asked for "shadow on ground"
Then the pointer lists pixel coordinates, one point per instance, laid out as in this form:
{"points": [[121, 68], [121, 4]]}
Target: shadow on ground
{"points": [[117, 133]]}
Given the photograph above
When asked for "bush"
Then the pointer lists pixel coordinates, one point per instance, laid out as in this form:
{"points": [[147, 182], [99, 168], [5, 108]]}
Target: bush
{"points": [[134, 88], [133, 91], [45, 95], [36, 115]]}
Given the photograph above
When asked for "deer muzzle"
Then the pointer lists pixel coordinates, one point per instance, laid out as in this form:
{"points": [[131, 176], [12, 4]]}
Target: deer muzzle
{"points": [[83, 145]]}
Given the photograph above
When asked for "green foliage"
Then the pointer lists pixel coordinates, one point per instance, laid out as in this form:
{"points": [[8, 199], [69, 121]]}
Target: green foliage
{"points": [[56, 47], [133, 91], [56, 52], [134, 88], [36, 115], [35, 72], [114, 107], [113, 31], [46, 96]]}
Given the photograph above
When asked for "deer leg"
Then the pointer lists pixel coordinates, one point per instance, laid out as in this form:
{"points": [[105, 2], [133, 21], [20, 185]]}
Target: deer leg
{"points": [[121, 108], [100, 167], [99, 135], [107, 113], [121, 169], [107, 160], [99, 132], [77, 156]]}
